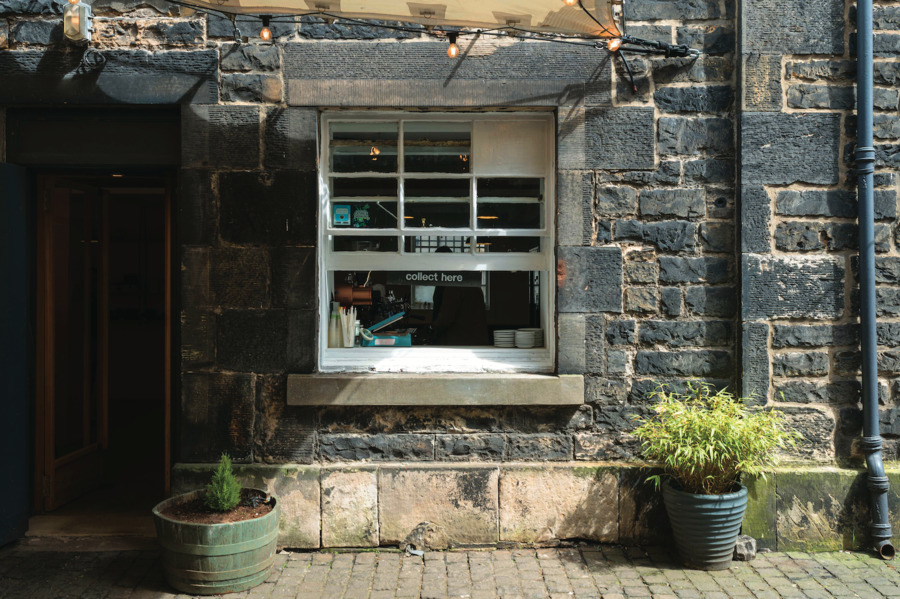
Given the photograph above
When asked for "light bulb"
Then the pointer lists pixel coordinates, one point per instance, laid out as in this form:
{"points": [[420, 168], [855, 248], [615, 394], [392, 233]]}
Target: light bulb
{"points": [[570, 2], [265, 33], [75, 21], [74, 1], [614, 44], [452, 49]]}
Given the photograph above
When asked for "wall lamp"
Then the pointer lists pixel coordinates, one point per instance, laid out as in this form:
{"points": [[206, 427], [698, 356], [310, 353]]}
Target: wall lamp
{"points": [[77, 21]]}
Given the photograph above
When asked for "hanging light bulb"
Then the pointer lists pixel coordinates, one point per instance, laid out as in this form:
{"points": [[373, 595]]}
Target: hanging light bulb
{"points": [[452, 49], [614, 44], [265, 33], [570, 2]]}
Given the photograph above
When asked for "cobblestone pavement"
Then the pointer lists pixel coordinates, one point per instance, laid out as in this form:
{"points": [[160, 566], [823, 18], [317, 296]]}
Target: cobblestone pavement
{"points": [[611, 572]]}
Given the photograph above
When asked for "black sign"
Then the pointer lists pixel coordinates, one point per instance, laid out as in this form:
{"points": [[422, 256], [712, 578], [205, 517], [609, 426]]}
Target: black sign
{"points": [[435, 278]]}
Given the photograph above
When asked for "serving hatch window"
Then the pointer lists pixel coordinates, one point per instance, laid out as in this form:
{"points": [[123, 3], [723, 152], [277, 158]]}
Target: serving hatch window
{"points": [[436, 242]]}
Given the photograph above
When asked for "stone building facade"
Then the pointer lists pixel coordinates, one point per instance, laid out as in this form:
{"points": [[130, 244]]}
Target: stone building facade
{"points": [[705, 226]]}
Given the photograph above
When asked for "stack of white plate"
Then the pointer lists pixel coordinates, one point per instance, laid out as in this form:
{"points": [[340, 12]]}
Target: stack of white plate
{"points": [[505, 338], [526, 338]]}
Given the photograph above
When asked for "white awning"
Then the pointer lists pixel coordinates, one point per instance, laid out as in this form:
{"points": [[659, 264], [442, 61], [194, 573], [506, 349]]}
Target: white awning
{"points": [[543, 16]]}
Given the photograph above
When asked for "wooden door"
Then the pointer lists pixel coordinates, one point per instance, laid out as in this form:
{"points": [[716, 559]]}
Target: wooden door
{"points": [[72, 339]]}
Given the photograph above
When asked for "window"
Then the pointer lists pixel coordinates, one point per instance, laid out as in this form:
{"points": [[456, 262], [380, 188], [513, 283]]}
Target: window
{"points": [[442, 225]]}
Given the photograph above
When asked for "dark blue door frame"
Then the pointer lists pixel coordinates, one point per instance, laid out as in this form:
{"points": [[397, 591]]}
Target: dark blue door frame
{"points": [[16, 351]]}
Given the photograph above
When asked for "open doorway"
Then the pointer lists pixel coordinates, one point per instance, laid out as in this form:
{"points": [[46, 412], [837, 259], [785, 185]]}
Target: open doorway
{"points": [[103, 362]]}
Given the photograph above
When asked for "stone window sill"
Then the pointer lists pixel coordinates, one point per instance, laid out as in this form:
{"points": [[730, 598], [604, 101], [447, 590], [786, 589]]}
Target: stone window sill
{"points": [[434, 390]]}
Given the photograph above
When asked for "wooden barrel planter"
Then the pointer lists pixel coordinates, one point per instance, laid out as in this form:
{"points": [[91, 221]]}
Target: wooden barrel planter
{"points": [[209, 559]]}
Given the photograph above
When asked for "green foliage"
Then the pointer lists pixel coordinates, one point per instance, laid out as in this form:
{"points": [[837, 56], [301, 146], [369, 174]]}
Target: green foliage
{"points": [[223, 492], [705, 439]]}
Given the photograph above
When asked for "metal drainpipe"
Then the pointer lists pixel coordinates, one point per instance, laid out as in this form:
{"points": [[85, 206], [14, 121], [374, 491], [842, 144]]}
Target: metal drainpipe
{"points": [[865, 164]]}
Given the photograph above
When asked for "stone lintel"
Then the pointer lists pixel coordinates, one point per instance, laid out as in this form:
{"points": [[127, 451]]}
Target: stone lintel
{"points": [[434, 390]]}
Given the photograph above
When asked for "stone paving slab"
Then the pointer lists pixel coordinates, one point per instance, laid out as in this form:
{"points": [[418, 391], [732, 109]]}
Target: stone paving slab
{"points": [[588, 571]]}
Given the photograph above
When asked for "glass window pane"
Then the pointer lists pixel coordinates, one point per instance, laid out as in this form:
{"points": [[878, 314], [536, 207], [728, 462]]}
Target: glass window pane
{"points": [[436, 214], [364, 147], [364, 187], [364, 215], [511, 187], [436, 188], [496, 244], [347, 243], [508, 215], [436, 147]]}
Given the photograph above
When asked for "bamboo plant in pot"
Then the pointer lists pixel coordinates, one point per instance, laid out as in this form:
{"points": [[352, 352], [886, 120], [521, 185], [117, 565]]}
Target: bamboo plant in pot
{"points": [[220, 539], [704, 440]]}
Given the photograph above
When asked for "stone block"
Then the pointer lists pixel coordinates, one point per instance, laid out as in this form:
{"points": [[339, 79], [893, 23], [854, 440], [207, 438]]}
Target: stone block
{"points": [[796, 27], [816, 426], [299, 491], [820, 510], [681, 135], [620, 332], [670, 302], [41, 33], [642, 300], [800, 364], [470, 448], [570, 141], [745, 549], [759, 519], [607, 446], [838, 203], [886, 18], [294, 278], [800, 236], [254, 341], [717, 237], [883, 44], [815, 335], [620, 138], [616, 201], [282, 433], [268, 208], [713, 170], [676, 269], [132, 76], [539, 447], [195, 285], [30, 7], [639, 271], [176, 32], [216, 415], [290, 139], [548, 503], [239, 277], [887, 270], [776, 287], [249, 57], [313, 27], [634, 87], [886, 99], [755, 368], [685, 334], [821, 70], [462, 501], [652, 10], [886, 73], [686, 363], [571, 343], [349, 507], [617, 361], [709, 39], [761, 87], [683, 203], [756, 214], [670, 236], [886, 126], [806, 96], [574, 208], [704, 98], [667, 172], [642, 514], [342, 447], [589, 279], [220, 136], [711, 301], [790, 148], [197, 210], [705, 69], [198, 338], [251, 87], [888, 333]]}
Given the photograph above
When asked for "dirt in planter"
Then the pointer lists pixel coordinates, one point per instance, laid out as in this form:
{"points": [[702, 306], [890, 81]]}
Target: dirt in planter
{"points": [[196, 512]]}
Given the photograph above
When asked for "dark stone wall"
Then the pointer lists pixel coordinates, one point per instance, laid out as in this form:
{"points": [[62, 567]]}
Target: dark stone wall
{"points": [[799, 332], [705, 220]]}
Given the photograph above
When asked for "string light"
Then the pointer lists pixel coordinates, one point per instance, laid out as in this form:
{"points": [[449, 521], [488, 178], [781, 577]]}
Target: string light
{"points": [[452, 49], [614, 44], [265, 33], [570, 2]]}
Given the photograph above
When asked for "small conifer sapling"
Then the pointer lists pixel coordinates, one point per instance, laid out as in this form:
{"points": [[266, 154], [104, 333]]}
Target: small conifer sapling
{"points": [[223, 492]]}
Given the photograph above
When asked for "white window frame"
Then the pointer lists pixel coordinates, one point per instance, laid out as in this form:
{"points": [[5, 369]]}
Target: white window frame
{"points": [[435, 358]]}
